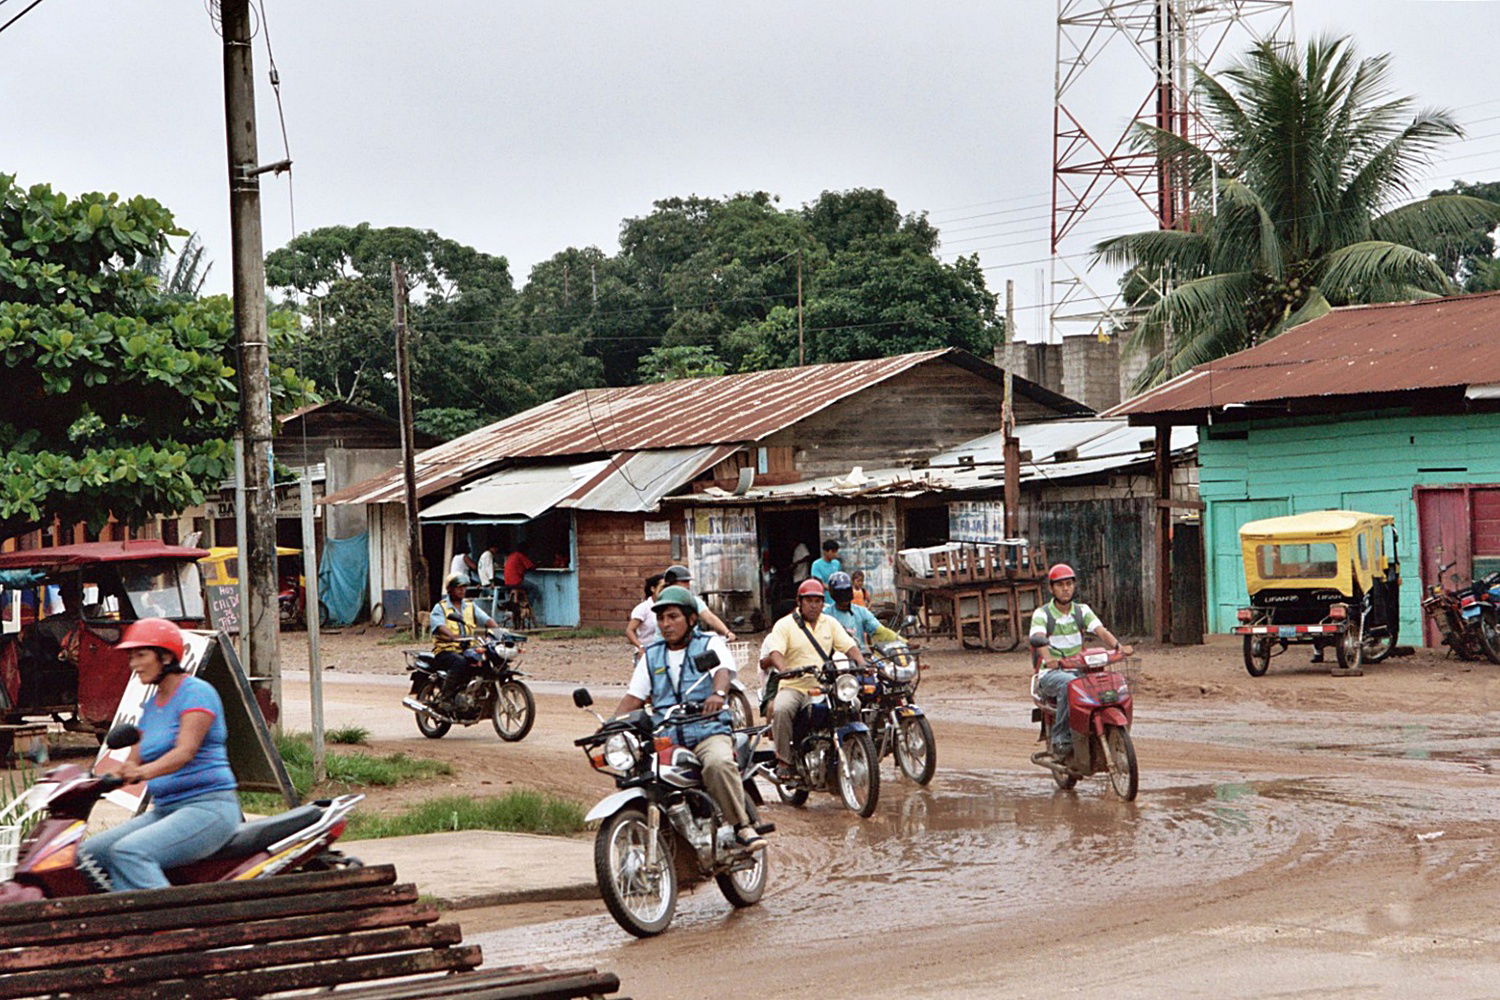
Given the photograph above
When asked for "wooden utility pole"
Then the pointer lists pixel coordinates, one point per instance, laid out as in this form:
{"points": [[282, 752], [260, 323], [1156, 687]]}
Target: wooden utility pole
{"points": [[261, 618], [1008, 425], [801, 352], [416, 568]]}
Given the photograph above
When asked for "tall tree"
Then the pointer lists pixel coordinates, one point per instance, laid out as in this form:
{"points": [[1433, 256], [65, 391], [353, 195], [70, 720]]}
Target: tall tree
{"points": [[1315, 153], [1467, 255], [120, 398]]}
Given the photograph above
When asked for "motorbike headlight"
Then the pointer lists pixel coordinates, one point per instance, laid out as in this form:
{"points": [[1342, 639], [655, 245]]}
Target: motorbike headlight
{"points": [[846, 688], [620, 751]]}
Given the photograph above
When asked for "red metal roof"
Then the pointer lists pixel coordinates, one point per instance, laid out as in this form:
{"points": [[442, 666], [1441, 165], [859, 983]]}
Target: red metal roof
{"points": [[97, 552], [1356, 350], [680, 414]]}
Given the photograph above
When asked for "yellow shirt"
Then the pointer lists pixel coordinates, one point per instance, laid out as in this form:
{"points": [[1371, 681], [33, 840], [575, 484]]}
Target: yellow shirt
{"points": [[791, 642]]}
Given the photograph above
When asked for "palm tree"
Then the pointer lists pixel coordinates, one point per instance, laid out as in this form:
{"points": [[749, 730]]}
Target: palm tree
{"points": [[1314, 161]]}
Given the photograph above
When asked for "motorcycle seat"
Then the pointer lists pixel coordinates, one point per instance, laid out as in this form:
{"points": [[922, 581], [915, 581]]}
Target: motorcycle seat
{"points": [[424, 659], [262, 833]]}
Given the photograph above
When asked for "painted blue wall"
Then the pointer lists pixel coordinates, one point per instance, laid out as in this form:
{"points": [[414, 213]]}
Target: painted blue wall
{"points": [[1368, 462]]}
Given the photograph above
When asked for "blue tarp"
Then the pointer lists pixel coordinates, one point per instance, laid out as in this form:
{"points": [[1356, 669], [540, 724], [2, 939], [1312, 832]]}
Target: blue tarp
{"points": [[342, 578]]}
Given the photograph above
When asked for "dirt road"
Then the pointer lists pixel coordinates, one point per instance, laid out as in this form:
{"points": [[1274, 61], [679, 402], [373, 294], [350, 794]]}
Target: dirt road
{"points": [[1295, 835]]}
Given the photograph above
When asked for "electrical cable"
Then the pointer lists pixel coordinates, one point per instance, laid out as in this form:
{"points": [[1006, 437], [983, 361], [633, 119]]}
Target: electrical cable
{"points": [[28, 10]]}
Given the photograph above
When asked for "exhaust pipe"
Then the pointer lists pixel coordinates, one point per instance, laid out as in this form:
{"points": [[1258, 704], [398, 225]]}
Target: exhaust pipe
{"points": [[421, 709]]}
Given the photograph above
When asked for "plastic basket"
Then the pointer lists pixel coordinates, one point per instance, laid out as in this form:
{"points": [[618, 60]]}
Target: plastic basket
{"points": [[10, 846], [741, 653]]}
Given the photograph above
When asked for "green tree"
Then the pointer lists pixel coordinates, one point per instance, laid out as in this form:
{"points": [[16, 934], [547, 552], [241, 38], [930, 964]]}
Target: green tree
{"points": [[663, 364], [120, 397], [1314, 148], [1467, 255]]}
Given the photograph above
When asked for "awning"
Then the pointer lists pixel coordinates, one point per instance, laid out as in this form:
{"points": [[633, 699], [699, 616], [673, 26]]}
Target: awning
{"points": [[513, 496]]}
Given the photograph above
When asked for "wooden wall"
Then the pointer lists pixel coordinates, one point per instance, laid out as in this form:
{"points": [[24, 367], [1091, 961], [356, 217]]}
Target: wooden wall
{"points": [[905, 418], [613, 560]]}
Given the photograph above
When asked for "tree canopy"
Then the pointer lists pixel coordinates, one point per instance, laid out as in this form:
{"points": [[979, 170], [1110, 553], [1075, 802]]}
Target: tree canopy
{"points": [[120, 396], [1316, 159]]}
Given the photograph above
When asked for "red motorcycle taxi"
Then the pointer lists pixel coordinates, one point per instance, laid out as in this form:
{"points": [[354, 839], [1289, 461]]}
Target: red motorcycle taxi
{"points": [[1100, 710]]}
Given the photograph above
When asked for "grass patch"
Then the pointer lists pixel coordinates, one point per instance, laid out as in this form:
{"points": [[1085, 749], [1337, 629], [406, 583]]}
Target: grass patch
{"points": [[355, 769], [518, 811], [348, 735], [402, 637], [591, 632]]}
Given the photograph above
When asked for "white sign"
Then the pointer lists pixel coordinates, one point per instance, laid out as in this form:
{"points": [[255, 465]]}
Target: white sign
{"points": [[976, 521], [658, 531]]}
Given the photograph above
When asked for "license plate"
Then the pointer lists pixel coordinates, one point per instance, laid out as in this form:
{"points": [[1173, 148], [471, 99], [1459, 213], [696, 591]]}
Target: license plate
{"points": [[1286, 630], [1472, 612]]}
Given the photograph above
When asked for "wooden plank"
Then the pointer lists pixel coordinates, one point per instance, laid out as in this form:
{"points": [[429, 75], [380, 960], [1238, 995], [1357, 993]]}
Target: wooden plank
{"points": [[259, 983], [530, 981], [177, 897], [81, 980], [139, 922], [202, 935]]}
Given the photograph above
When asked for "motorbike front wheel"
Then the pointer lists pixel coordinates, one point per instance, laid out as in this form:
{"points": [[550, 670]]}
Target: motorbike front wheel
{"points": [[916, 750], [1489, 634], [740, 710], [1257, 655], [744, 887], [1350, 647], [1124, 776], [429, 727], [641, 898], [514, 711], [859, 774]]}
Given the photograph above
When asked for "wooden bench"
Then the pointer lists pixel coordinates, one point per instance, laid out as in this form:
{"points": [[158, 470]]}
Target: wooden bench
{"points": [[246, 939]]}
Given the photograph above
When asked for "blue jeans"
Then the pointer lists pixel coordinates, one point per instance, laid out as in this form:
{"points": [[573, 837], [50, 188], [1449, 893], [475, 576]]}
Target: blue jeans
{"points": [[1054, 684], [134, 853]]}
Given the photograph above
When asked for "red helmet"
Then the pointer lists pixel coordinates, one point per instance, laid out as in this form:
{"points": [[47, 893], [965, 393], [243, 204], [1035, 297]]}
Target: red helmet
{"points": [[811, 587], [1062, 571], [153, 633]]}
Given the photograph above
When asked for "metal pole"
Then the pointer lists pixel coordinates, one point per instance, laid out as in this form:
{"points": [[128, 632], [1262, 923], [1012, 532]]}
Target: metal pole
{"points": [[1008, 425], [314, 619], [415, 568], [260, 614], [239, 541]]}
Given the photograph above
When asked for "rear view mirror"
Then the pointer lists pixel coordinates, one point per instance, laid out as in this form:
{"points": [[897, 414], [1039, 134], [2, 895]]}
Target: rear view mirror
{"points": [[122, 736], [706, 661], [582, 698]]}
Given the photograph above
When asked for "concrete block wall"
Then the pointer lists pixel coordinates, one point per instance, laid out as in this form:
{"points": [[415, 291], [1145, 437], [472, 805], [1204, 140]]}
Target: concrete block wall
{"points": [[1091, 370], [1041, 363]]}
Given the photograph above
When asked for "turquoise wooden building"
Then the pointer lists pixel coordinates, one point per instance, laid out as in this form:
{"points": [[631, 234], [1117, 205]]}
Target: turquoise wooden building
{"points": [[1391, 409]]}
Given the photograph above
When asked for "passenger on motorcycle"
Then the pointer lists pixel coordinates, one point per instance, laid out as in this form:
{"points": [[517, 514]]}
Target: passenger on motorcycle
{"points": [[680, 576], [182, 758], [803, 638], [1058, 629], [446, 633], [858, 621], [667, 674]]}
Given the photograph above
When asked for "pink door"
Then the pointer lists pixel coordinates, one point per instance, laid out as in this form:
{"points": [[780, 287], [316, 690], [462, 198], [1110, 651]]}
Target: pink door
{"points": [[1444, 525]]}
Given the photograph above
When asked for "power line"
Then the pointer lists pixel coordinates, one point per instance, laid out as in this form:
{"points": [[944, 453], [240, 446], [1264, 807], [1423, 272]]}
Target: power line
{"points": [[28, 10]]}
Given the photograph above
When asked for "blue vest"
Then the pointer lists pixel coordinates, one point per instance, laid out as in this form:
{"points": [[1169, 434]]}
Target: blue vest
{"points": [[664, 694]]}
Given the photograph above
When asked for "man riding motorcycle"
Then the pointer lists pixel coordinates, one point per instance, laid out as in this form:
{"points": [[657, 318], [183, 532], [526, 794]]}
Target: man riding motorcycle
{"points": [[1058, 629], [446, 633], [667, 674], [803, 638], [859, 621]]}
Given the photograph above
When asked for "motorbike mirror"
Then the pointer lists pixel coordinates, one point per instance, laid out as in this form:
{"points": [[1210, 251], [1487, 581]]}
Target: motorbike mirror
{"points": [[122, 736], [706, 661], [582, 698]]}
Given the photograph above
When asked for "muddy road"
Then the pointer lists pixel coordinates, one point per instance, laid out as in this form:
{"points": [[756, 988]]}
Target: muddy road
{"points": [[1295, 835]]}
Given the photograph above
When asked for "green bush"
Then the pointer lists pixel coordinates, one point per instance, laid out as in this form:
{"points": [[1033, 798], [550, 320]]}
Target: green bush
{"points": [[519, 811]]}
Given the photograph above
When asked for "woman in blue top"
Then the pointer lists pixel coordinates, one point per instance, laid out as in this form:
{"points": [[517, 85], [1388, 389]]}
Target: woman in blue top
{"points": [[182, 759]]}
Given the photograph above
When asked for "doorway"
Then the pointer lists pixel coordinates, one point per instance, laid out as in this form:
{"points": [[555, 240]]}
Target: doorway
{"points": [[783, 566]]}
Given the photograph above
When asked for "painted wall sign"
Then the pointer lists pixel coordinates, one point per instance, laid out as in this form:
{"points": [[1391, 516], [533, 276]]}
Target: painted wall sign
{"points": [[976, 521]]}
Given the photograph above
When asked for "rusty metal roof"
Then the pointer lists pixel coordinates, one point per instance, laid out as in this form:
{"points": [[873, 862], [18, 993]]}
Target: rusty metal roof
{"points": [[684, 413], [1357, 350]]}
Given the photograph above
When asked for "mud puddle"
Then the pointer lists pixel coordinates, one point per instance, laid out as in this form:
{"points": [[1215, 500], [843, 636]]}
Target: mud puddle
{"points": [[981, 846]]}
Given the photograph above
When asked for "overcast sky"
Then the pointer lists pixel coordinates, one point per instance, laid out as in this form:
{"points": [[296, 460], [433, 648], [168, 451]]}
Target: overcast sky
{"points": [[524, 128]]}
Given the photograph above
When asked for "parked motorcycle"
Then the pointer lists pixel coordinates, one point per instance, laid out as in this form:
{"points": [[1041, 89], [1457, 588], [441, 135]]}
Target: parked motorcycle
{"points": [[1469, 619], [1100, 711], [495, 690], [52, 815], [831, 746], [662, 830], [897, 723]]}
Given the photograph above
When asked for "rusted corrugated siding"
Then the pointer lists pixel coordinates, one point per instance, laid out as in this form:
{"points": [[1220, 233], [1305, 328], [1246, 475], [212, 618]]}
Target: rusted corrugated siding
{"points": [[1398, 347]]}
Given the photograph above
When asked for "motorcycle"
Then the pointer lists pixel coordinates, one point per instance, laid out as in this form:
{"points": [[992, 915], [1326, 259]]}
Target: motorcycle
{"points": [[662, 830], [1100, 710], [1469, 619], [831, 744], [495, 690], [897, 723], [52, 816]]}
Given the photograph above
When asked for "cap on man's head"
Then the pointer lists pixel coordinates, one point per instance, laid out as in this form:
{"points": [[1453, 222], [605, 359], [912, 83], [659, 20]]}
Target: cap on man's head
{"points": [[455, 580], [830, 543], [677, 574]]}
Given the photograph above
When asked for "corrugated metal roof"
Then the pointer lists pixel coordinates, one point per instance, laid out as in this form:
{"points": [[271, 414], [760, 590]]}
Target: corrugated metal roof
{"points": [[636, 481], [513, 495], [684, 413], [1395, 347], [1092, 437]]}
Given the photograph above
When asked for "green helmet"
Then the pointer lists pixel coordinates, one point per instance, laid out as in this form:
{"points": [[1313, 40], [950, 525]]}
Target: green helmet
{"points": [[679, 596]]}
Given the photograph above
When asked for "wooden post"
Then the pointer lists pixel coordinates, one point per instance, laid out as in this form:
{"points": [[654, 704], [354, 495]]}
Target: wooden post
{"points": [[801, 353], [416, 569], [1163, 533]]}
